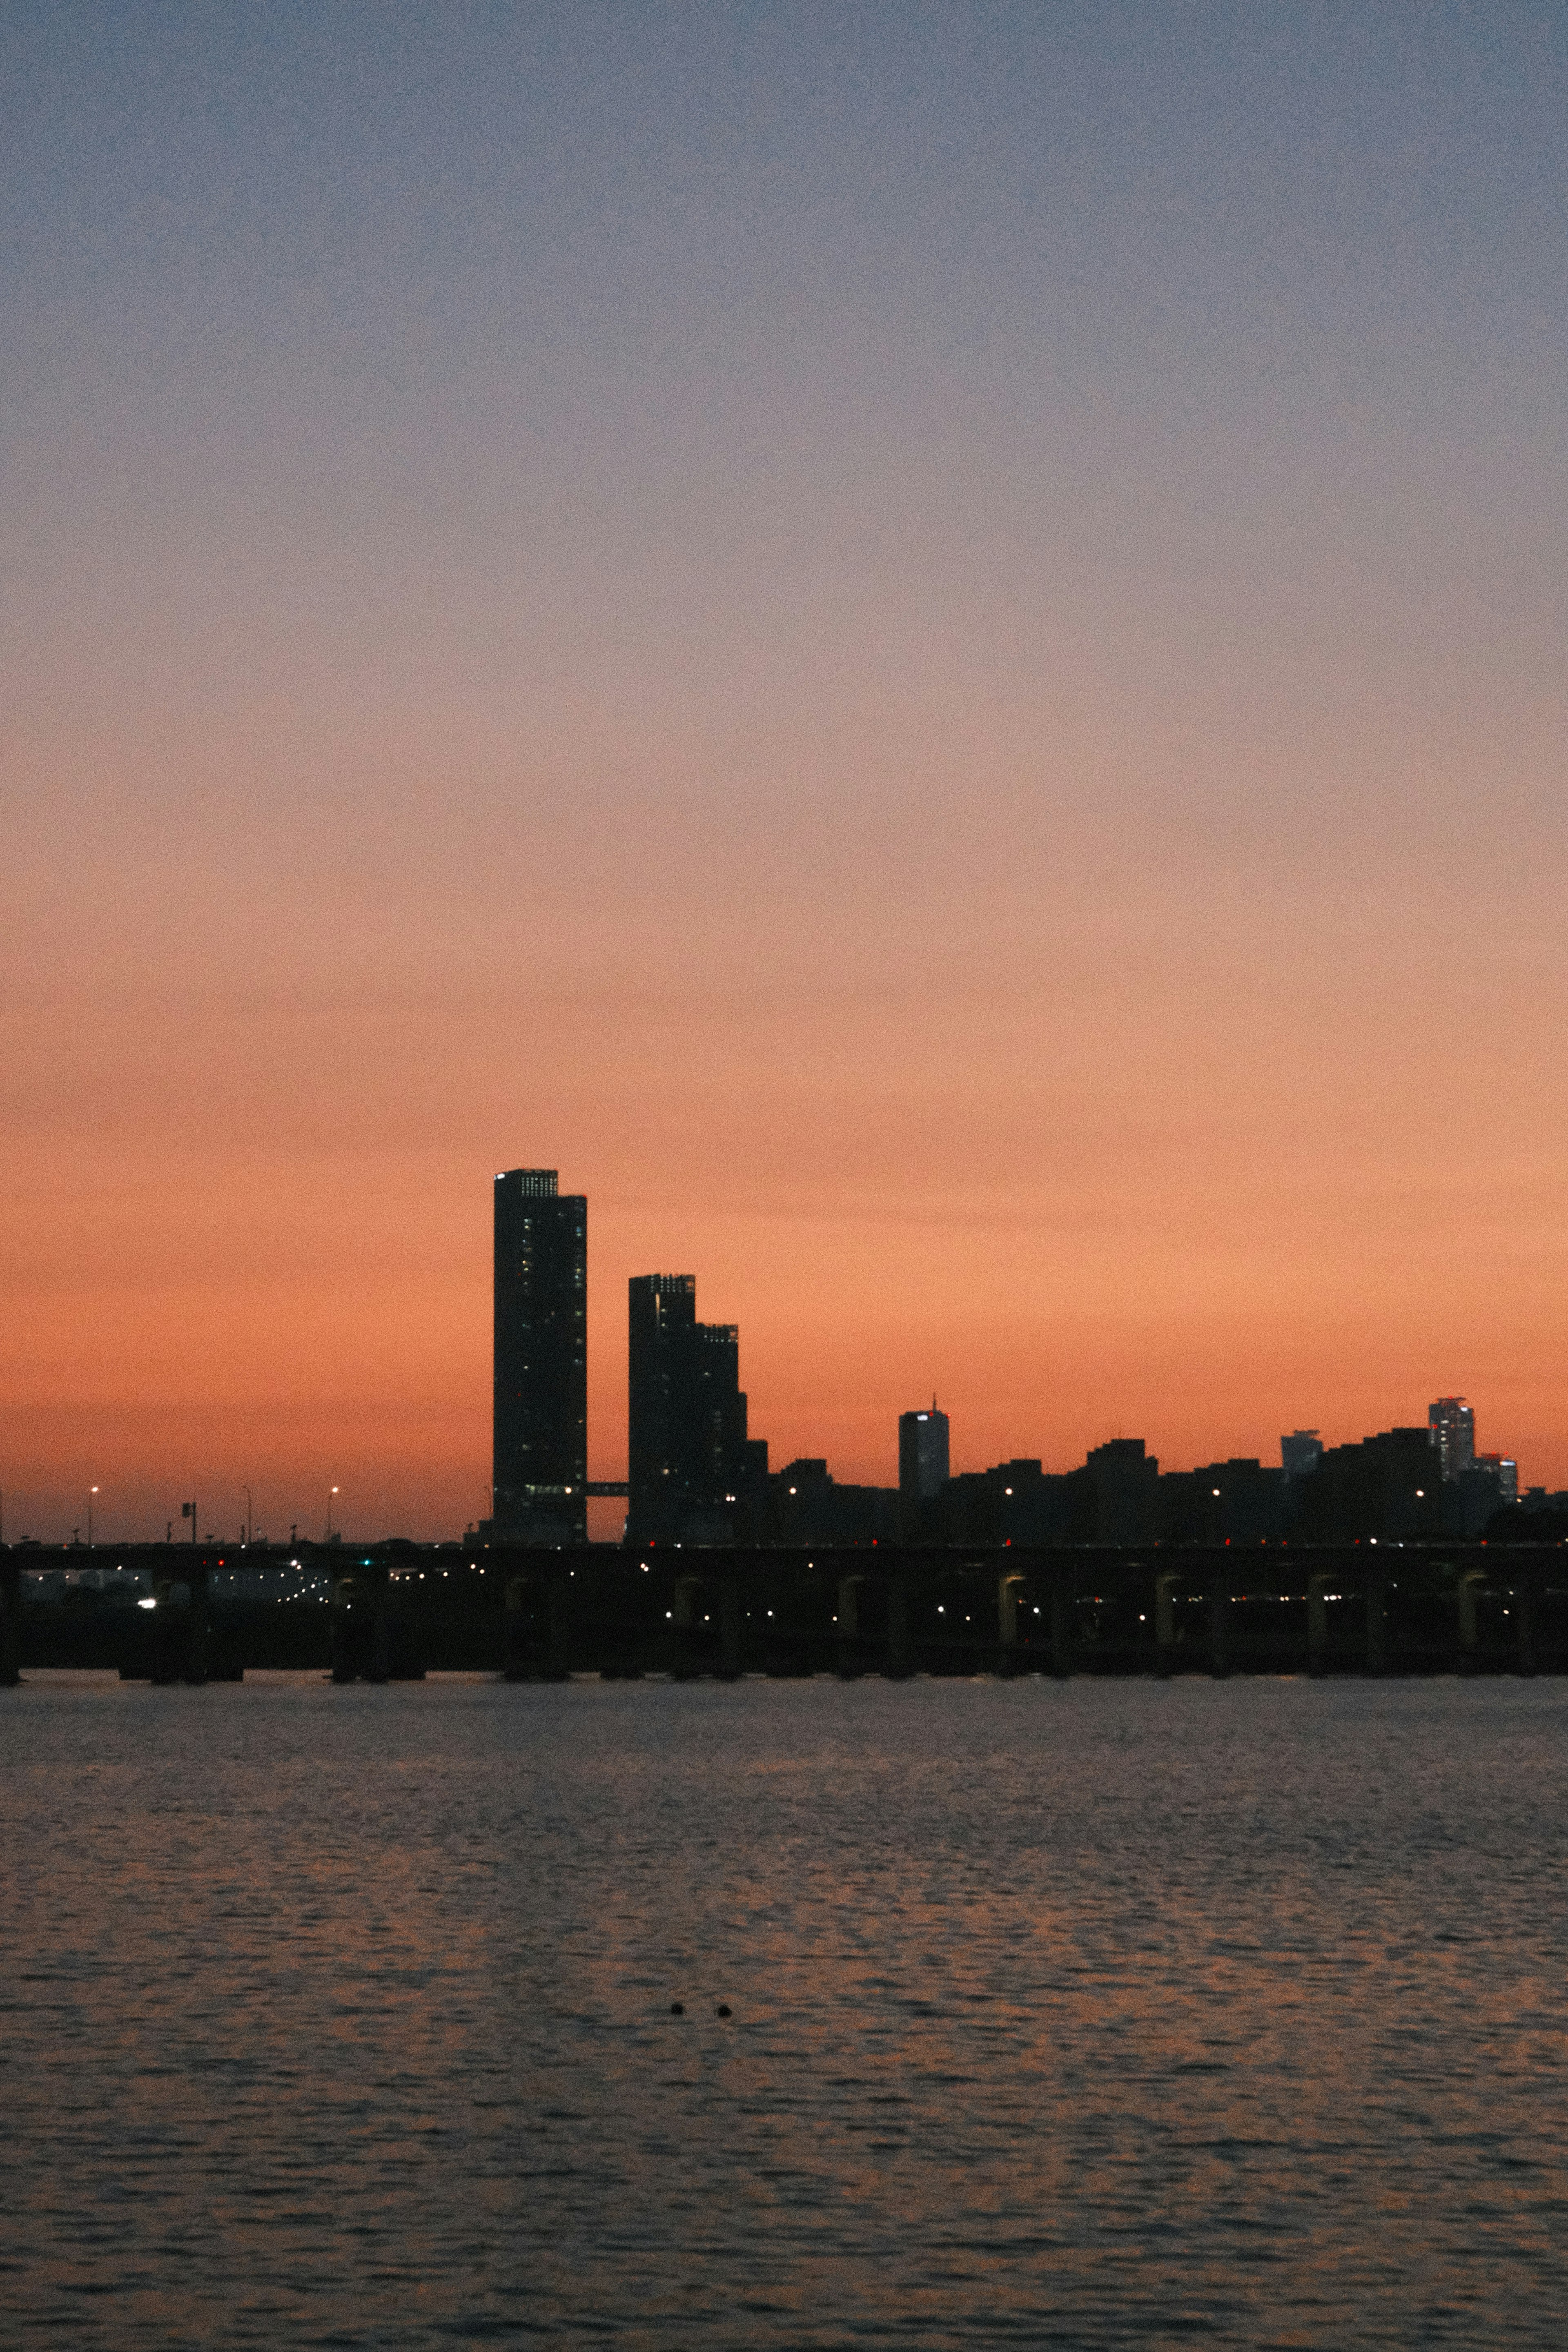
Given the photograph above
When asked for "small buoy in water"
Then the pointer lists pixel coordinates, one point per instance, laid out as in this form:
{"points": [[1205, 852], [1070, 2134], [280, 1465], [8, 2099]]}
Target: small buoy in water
{"points": [[722, 2009], [678, 2009]]}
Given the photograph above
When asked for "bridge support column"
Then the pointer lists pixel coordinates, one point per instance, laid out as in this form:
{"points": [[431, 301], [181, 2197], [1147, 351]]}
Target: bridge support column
{"points": [[376, 1599], [514, 1636], [1219, 1623], [1375, 1652], [1318, 1625], [1165, 1626], [1524, 1612], [196, 1627], [1009, 1585], [1465, 1598], [559, 1668], [900, 1666], [730, 1630], [345, 1629], [1062, 1628], [849, 1619], [10, 1625], [684, 1619]]}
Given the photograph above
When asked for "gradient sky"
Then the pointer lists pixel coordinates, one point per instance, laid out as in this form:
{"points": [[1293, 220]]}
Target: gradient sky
{"points": [[924, 645]]}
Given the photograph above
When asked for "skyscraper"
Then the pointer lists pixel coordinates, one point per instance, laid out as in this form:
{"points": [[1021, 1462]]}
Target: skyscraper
{"points": [[1452, 1426], [922, 1455], [688, 1461], [540, 1457]]}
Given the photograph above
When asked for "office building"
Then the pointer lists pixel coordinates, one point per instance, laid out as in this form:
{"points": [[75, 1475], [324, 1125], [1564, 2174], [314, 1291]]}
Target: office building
{"points": [[1452, 1424], [922, 1475], [922, 1455], [541, 1452], [691, 1466]]}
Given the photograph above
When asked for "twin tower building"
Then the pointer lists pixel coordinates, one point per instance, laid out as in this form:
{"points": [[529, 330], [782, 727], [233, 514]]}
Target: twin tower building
{"points": [[693, 1473]]}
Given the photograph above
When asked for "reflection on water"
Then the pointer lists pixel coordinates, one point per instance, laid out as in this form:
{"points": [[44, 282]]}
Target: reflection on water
{"points": [[1088, 2014]]}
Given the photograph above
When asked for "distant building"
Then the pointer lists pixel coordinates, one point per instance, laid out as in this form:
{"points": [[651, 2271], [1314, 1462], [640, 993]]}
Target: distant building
{"points": [[691, 1470], [922, 1472], [539, 1460], [1016, 1502], [807, 1505], [1238, 1501], [1116, 1496], [1300, 1453], [1505, 1470], [923, 1454], [1452, 1424], [1386, 1488]]}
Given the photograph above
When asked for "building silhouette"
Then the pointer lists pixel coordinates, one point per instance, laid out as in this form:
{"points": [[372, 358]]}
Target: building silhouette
{"points": [[540, 1468], [1452, 1424], [1300, 1453], [922, 1467], [692, 1472]]}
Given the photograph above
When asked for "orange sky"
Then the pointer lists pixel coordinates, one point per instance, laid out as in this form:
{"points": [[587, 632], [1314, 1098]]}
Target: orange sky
{"points": [[979, 764]]}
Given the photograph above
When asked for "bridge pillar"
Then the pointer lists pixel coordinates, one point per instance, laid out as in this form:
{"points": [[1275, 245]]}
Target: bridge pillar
{"points": [[685, 1618], [559, 1666], [1525, 1587], [10, 1625], [1375, 1651], [730, 1630], [514, 1638], [180, 1633], [375, 1596], [849, 1668], [196, 1627], [1165, 1624], [1219, 1623], [900, 1664], [1009, 1585], [1062, 1628], [1318, 1623], [345, 1628], [1465, 1599]]}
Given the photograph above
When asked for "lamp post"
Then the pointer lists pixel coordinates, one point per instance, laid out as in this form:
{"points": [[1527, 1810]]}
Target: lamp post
{"points": [[329, 1515], [247, 1515], [90, 1493]]}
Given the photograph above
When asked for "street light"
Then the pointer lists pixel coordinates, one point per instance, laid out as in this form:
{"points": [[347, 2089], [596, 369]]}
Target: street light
{"points": [[329, 1515], [90, 1493], [248, 1535]]}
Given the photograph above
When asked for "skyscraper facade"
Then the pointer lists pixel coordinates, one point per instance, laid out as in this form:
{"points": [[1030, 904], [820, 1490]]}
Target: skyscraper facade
{"points": [[922, 1455], [688, 1461], [1452, 1424], [540, 1451]]}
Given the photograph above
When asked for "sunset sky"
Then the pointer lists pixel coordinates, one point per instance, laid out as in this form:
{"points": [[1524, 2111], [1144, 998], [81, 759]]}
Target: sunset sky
{"points": [[925, 644]]}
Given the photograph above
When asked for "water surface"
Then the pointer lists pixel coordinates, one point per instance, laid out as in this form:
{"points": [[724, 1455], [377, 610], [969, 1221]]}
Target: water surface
{"points": [[1086, 2015]]}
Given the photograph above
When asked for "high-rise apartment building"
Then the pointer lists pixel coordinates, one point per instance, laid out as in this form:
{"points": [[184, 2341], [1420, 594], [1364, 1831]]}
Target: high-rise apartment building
{"points": [[1452, 1424], [922, 1455], [688, 1461], [1300, 1453], [1505, 1470], [540, 1457]]}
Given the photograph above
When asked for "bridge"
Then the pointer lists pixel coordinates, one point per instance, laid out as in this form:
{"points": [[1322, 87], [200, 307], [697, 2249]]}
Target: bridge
{"points": [[392, 1612]]}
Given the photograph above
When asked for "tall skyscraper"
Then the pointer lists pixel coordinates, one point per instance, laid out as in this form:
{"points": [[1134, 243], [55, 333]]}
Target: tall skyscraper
{"points": [[1452, 1424], [922, 1455], [688, 1461], [540, 1458]]}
